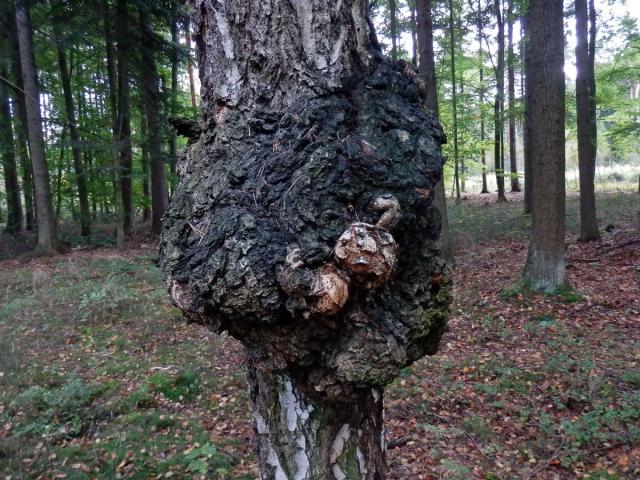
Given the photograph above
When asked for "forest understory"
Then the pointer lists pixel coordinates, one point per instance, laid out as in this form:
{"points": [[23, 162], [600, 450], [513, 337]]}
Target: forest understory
{"points": [[99, 380]]}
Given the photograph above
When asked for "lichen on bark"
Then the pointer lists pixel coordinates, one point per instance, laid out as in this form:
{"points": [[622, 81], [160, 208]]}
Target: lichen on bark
{"points": [[303, 222]]}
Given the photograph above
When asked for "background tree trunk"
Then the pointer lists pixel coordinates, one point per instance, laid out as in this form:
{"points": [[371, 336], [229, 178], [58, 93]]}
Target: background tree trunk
{"points": [[498, 109], [9, 164], [586, 145], [544, 116], [151, 95], [286, 165], [46, 222], [483, 157], [124, 36], [112, 78], [511, 60], [452, 53], [78, 161], [393, 29], [427, 71]]}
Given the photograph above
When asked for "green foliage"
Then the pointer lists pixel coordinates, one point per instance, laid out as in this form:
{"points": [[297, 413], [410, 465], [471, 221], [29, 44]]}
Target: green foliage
{"points": [[181, 387]]}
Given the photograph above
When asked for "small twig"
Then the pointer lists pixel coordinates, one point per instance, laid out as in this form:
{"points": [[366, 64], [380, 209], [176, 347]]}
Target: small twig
{"points": [[284, 203], [541, 466], [475, 444]]}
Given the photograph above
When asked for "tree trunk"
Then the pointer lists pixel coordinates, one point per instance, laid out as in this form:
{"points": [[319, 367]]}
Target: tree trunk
{"points": [[173, 141], [113, 104], [124, 36], [586, 155], [151, 95], [9, 165], [427, 71], [511, 60], [46, 223], [302, 437], [414, 34], [78, 161], [144, 160], [544, 116], [393, 29], [192, 83], [454, 101], [526, 149], [263, 237], [483, 156], [498, 108]]}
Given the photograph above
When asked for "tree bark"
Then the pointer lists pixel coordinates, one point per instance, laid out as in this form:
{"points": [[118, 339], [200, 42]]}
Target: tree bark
{"points": [[112, 77], [144, 160], [427, 71], [78, 161], [586, 145], [47, 241], [9, 164], [498, 109], [452, 53], [192, 83], [393, 29], [544, 116], [302, 437], [513, 162], [483, 156], [294, 169], [526, 148], [123, 35], [414, 34], [173, 106], [151, 93]]}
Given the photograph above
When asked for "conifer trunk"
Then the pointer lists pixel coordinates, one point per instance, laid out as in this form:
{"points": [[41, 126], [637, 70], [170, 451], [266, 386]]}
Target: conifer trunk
{"points": [[78, 161], [47, 241]]}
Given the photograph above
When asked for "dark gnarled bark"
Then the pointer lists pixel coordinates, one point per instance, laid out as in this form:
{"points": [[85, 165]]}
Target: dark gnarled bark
{"points": [[303, 224]]}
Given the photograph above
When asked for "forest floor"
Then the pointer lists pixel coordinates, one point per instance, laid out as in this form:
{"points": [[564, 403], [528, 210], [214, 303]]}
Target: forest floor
{"points": [[101, 378]]}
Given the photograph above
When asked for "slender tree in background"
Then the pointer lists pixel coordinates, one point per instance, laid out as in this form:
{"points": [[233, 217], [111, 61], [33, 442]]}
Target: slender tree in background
{"points": [[187, 41], [393, 28], [427, 71], [544, 116], [586, 142], [498, 109], [78, 160], [317, 390], [526, 151], [124, 36], [414, 32], [151, 94], [144, 163], [454, 100], [173, 102], [7, 148], [47, 240], [511, 78], [483, 157], [112, 78]]}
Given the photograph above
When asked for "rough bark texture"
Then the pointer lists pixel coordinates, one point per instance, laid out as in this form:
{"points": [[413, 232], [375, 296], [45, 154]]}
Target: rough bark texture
{"points": [[544, 114], [586, 145], [46, 222], [303, 224]]}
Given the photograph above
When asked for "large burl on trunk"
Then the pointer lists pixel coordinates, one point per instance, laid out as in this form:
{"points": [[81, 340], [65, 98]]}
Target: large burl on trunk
{"points": [[303, 224]]}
